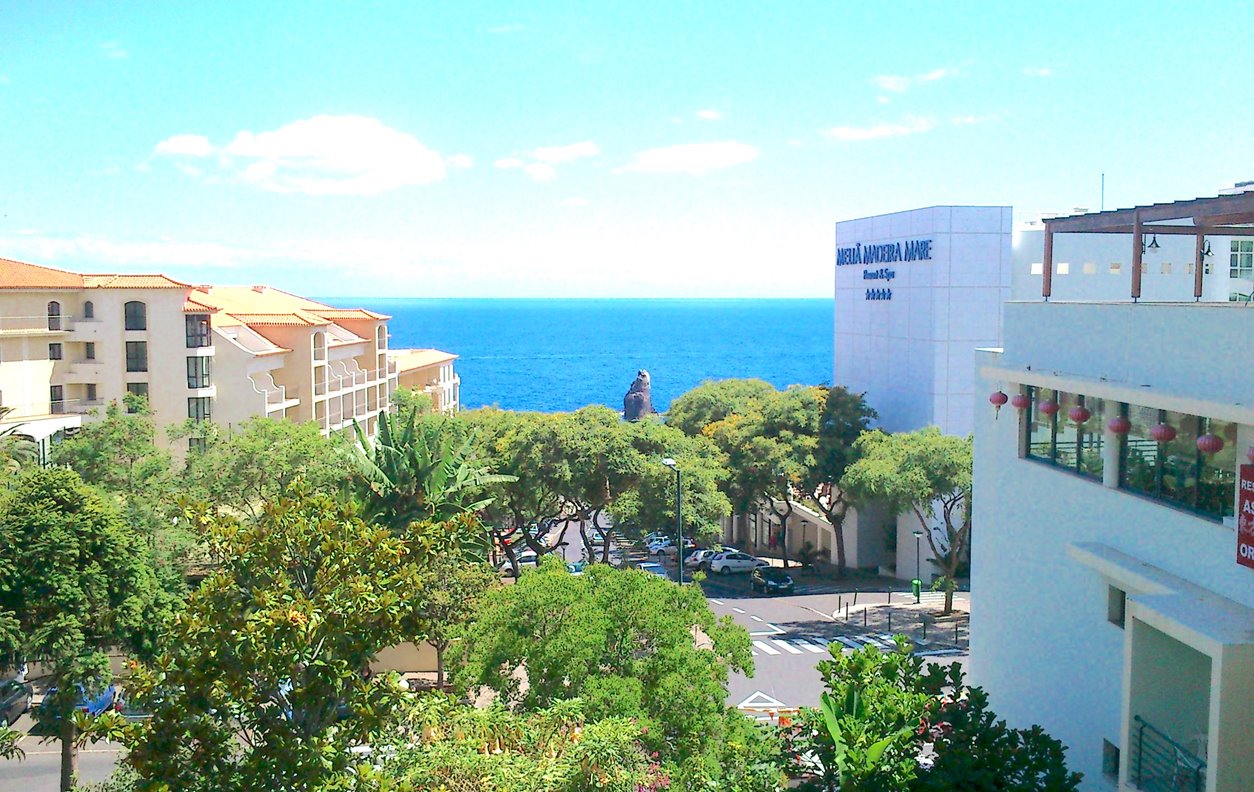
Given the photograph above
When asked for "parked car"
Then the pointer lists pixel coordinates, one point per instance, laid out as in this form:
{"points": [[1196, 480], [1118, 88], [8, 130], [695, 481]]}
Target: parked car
{"points": [[727, 563], [110, 699], [770, 580], [15, 700], [526, 560], [576, 567], [671, 548], [654, 569], [658, 546], [650, 538], [694, 559]]}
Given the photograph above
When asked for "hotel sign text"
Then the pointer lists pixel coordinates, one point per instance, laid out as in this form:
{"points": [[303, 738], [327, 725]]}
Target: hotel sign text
{"points": [[883, 253]]}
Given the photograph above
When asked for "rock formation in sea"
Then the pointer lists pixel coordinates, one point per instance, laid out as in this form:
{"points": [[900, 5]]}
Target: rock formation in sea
{"points": [[639, 401]]}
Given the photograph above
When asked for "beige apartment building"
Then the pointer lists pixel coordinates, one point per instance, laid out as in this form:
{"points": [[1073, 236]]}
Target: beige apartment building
{"points": [[72, 343], [429, 371]]}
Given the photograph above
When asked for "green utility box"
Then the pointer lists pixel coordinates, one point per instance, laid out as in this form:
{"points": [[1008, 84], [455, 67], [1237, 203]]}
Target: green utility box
{"points": [[916, 586]]}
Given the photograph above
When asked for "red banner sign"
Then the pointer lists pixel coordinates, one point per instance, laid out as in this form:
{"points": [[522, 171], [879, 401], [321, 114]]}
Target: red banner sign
{"points": [[1245, 517]]}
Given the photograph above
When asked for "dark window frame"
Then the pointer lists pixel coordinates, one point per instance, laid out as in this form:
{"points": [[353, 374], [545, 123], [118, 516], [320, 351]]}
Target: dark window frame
{"points": [[136, 356], [1082, 447], [89, 350], [1199, 464], [54, 315], [89, 309], [91, 392], [56, 351], [135, 315], [199, 371], [56, 399], [200, 408], [197, 331]]}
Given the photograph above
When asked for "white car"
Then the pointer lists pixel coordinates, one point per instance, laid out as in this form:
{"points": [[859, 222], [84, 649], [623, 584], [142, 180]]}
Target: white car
{"points": [[658, 546], [653, 537], [727, 563], [654, 569], [526, 560]]}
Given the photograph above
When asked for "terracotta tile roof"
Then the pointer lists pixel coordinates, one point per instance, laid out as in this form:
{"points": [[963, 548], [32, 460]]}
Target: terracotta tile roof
{"points": [[132, 282], [20, 275], [191, 305], [413, 359], [292, 319], [349, 313]]}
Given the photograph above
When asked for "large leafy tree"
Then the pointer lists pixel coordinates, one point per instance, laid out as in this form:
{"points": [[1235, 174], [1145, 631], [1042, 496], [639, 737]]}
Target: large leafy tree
{"points": [[453, 587], [16, 450], [845, 417], [75, 583], [928, 473], [248, 466], [262, 684], [627, 643]]}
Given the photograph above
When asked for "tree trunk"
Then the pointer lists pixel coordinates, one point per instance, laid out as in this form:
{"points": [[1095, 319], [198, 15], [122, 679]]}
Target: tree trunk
{"points": [[439, 665], [69, 753], [949, 598], [783, 534]]}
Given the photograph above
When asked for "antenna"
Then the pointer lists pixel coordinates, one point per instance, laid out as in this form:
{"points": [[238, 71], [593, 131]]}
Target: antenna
{"points": [[1103, 193]]}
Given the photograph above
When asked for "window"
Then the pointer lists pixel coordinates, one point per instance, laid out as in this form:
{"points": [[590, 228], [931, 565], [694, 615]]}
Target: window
{"points": [[89, 350], [198, 372], [1063, 268], [136, 355], [1038, 268], [54, 315], [1116, 605], [1115, 267], [91, 392], [200, 408], [56, 395], [197, 330], [196, 444], [1059, 440], [89, 310], [1090, 268], [1177, 472], [1110, 761], [1166, 268], [1241, 259], [54, 351], [136, 315], [139, 389]]}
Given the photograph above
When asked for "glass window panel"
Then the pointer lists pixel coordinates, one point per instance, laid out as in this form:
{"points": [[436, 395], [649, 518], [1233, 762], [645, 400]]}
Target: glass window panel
{"points": [[1040, 426]]}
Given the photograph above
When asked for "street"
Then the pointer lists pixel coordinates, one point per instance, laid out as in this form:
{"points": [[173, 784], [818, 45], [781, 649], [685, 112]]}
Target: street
{"points": [[40, 771]]}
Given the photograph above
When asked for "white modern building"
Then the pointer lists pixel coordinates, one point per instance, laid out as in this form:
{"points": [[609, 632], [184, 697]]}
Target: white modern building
{"points": [[1114, 502]]}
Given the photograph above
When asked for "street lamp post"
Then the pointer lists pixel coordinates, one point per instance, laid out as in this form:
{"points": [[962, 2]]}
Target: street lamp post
{"points": [[918, 574], [679, 518]]}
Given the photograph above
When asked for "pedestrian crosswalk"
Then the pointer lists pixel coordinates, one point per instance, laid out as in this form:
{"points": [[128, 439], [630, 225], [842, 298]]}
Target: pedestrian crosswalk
{"points": [[793, 645]]}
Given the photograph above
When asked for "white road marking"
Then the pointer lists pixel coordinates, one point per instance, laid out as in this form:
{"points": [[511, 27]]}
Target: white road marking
{"points": [[771, 630], [849, 642], [765, 647], [755, 618], [787, 646], [759, 700], [809, 647], [738, 610], [717, 602]]}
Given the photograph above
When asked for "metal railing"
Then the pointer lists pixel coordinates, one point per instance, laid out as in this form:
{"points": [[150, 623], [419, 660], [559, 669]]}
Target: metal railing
{"points": [[36, 324], [1160, 764]]}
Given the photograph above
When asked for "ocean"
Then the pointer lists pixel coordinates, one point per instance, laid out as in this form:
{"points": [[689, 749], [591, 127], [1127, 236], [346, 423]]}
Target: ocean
{"points": [[561, 354]]}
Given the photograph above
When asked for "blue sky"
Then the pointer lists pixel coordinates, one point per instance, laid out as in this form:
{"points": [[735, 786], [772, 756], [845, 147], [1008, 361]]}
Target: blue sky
{"points": [[583, 149]]}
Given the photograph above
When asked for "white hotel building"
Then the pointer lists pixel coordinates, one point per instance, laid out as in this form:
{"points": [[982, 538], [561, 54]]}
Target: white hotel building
{"points": [[1113, 557]]}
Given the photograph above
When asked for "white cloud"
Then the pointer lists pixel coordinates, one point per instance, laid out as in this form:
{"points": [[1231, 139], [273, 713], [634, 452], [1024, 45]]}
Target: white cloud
{"points": [[882, 100], [909, 126], [555, 155], [461, 161], [709, 115], [323, 155], [968, 120], [1043, 71], [113, 50], [540, 171], [509, 162], [576, 201], [189, 145], [892, 82], [692, 158], [937, 74]]}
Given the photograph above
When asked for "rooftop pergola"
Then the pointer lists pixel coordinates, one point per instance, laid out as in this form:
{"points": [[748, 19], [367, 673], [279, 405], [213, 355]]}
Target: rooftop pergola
{"points": [[1225, 215]]}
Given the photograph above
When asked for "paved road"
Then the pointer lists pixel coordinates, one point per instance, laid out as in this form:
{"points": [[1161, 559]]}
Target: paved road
{"points": [[40, 771]]}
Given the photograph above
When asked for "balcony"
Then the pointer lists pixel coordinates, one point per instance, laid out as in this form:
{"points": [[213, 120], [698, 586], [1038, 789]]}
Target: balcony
{"points": [[41, 325], [1160, 763]]}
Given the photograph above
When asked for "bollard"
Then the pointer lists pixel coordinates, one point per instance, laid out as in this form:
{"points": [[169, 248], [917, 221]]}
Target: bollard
{"points": [[846, 611], [955, 633], [840, 599], [855, 598], [864, 617], [925, 628]]}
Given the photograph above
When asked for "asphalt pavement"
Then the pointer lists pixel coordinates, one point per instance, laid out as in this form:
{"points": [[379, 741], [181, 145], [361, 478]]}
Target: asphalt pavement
{"points": [[40, 771]]}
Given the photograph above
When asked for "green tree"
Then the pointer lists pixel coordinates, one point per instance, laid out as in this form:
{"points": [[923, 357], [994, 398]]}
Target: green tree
{"points": [[716, 400], [408, 400], [453, 589], [418, 469], [627, 643], [262, 682], [248, 466], [75, 583], [118, 453], [930, 474], [845, 417], [16, 450]]}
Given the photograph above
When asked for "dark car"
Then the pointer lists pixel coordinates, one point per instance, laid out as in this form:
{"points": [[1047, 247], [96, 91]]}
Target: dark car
{"points": [[770, 580], [15, 699]]}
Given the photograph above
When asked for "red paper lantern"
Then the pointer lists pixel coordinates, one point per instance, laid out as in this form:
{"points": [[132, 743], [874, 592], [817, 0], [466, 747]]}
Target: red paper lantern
{"points": [[1163, 433], [1210, 444], [1119, 425], [1048, 407], [1079, 413], [997, 399], [1020, 401]]}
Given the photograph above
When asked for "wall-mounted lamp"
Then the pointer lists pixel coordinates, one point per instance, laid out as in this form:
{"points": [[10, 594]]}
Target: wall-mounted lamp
{"points": [[1153, 245]]}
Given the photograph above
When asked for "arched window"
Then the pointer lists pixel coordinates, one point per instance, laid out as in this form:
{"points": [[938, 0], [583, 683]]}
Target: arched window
{"points": [[54, 315], [89, 310], [136, 315], [381, 335], [320, 346]]}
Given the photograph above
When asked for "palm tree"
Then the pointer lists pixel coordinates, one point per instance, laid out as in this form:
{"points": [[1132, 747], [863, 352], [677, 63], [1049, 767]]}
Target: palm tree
{"points": [[418, 471], [15, 450]]}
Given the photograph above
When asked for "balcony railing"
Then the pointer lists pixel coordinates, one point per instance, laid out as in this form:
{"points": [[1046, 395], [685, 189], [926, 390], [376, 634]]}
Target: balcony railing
{"points": [[35, 325], [1160, 764]]}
